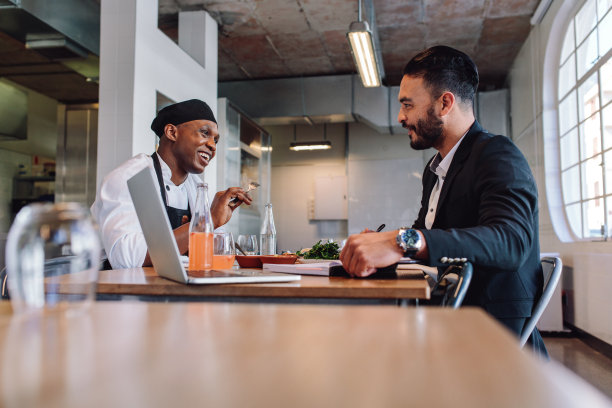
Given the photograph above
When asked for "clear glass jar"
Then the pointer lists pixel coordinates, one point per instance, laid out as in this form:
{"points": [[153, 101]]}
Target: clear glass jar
{"points": [[52, 256], [268, 233]]}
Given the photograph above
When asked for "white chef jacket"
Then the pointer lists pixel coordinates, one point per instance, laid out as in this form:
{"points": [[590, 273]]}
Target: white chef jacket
{"points": [[115, 214], [439, 166]]}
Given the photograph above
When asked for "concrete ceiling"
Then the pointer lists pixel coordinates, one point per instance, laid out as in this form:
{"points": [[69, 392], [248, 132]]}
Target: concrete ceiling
{"points": [[288, 38], [292, 38]]}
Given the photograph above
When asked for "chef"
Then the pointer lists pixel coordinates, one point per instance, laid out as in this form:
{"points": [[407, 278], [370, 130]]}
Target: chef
{"points": [[188, 142]]}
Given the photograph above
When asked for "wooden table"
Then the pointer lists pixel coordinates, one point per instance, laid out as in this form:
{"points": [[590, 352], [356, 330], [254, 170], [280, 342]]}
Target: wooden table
{"points": [[144, 282], [138, 354]]}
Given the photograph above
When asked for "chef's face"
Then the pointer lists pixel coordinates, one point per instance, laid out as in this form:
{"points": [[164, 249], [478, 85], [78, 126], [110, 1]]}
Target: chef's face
{"points": [[417, 113], [195, 144]]}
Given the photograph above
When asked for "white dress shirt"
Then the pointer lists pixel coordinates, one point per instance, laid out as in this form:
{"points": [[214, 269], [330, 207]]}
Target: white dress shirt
{"points": [[115, 214], [439, 166]]}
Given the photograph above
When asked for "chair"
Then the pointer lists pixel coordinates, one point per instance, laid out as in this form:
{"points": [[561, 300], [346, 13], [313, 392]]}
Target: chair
{"points": [[53, 267], [453, 290], [3, 285], [551, 268]]}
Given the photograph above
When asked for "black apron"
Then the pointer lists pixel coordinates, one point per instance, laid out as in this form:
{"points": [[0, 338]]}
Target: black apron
{"points": [[174, 214]]}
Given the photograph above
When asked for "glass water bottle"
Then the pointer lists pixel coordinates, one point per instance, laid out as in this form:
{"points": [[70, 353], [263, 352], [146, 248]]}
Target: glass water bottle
{"points": [[268, 233], [201, 233]]}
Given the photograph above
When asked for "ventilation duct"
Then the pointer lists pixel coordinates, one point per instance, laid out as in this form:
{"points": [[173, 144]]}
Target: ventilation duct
{"points": [[14, 112], [55, 46], [321, 99], [342, 98], [76, 21]]}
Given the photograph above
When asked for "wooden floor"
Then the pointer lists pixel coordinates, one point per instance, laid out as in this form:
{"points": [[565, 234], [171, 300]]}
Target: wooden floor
{"points": [[585, 361]]}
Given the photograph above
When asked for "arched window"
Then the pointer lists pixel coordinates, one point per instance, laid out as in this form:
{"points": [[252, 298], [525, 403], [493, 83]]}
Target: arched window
{"points": [[584, 98]]}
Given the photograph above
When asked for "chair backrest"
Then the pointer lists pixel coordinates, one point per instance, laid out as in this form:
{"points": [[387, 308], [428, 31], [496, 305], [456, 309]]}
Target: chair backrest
{"points": [[455, 290], [53, 267], [551, 268], [3, 285]]}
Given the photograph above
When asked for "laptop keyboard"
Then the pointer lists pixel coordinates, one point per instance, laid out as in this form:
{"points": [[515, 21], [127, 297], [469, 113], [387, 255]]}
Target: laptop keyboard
{"points": [[212, 274]]}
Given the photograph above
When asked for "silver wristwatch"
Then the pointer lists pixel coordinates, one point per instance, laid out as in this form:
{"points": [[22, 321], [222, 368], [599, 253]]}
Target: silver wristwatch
{"points": [[409, 241]]}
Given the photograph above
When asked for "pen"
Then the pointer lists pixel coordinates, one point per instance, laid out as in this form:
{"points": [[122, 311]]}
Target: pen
{"points": [[380, 227]]}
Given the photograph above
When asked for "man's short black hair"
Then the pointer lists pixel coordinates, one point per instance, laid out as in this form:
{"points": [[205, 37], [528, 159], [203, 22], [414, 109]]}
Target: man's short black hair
{"points": [[445, 69]]}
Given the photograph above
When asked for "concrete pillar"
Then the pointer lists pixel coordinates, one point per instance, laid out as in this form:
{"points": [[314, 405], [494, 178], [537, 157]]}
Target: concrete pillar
{"points": [[136, 60]]}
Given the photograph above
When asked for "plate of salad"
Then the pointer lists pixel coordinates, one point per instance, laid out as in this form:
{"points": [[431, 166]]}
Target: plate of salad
{"points": [[320, 252]]}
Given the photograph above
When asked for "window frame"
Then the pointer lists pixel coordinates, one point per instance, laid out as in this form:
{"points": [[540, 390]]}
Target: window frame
{"points": [[604, 196]]}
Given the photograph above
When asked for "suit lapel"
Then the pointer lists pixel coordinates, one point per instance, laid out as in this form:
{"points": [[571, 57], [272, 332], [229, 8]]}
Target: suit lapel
{"points": [[462, 153], [429, 181]]}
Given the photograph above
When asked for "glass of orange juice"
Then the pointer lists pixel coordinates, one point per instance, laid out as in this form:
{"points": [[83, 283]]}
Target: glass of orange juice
{"points": [[224, 251]]}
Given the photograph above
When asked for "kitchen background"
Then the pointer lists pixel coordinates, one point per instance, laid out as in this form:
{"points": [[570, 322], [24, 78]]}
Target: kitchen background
{"points": [[88, 114]]}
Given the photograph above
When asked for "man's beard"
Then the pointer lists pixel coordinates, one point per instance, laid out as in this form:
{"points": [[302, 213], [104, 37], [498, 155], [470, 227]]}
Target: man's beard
{"points": [[426, 132]]}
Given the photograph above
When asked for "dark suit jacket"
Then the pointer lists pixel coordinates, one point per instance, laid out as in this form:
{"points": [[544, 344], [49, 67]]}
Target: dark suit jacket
{"points": [[488, 213]]}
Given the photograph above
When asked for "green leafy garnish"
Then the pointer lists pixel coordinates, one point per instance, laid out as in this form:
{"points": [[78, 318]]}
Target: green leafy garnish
{"points": [[329, 250]]}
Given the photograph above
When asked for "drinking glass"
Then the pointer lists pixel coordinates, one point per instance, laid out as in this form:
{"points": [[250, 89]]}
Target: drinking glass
{"points": [[248, 243], [52, 257], [224, 251]]}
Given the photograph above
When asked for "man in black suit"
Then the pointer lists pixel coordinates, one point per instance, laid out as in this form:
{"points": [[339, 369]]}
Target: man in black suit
{"points": [[479, 197]]}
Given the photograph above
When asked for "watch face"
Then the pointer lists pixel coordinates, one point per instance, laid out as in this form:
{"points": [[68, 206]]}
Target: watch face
{"points": [[411, 238]]}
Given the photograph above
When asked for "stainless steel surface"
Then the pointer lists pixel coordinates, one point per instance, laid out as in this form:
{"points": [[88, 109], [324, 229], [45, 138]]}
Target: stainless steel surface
{"points": [[333, 99], [292, 97], [239, 163], [78, 20], [76, 156], [55, 46], [369, 15], [323, 99], [13, 112]]}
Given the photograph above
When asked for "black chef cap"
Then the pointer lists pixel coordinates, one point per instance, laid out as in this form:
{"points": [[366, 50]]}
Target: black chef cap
{"points": [[193, 109]]}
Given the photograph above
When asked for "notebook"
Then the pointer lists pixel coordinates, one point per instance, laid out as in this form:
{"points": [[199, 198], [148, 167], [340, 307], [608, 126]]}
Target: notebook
{"points": [[406, 268], [164, 253], [319, 268]]}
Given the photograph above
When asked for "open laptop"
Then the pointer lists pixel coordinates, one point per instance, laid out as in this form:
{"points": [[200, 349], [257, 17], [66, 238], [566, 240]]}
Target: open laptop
{"points": [[163, 250]]}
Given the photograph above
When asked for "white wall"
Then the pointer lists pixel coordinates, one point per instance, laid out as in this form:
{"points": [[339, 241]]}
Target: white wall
{"points": [[292, 188], [588, 279], [384, 179], [136, 60], [492, 112], [383, 176]]}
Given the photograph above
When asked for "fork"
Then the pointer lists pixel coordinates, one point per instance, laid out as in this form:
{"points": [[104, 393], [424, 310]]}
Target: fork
{"points": [[252, 186]]}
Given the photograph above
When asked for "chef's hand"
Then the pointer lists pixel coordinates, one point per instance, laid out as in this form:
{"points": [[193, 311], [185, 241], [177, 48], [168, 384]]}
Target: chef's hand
{"points": [[181, 235], [223, 204], [363, 253]]}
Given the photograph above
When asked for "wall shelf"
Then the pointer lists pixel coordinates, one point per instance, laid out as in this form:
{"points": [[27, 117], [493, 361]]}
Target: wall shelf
{"points": [[31, 189]]}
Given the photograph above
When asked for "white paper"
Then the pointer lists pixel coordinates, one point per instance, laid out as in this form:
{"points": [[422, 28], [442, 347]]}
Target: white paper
{"points": [[320, 268]]}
